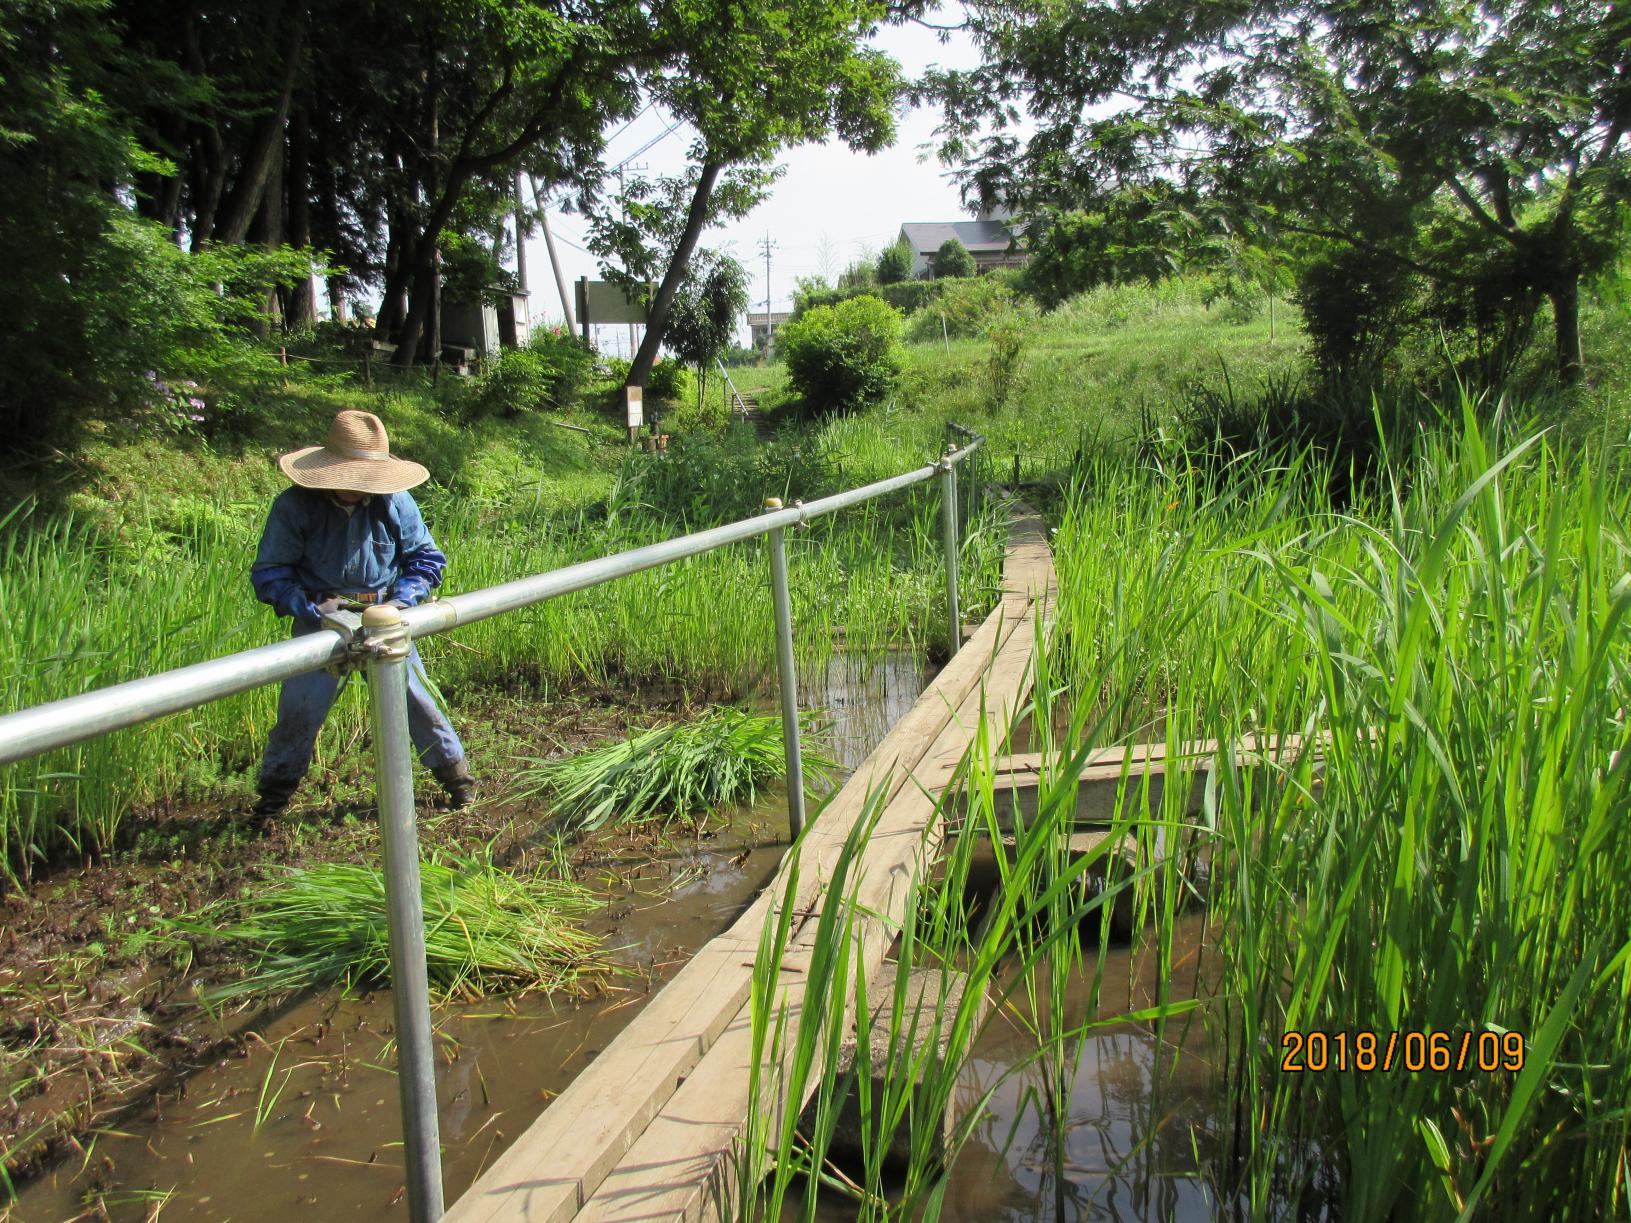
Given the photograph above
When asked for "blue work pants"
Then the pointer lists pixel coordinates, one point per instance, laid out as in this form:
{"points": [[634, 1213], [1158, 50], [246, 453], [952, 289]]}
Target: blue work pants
{"points": [[303, 702]]}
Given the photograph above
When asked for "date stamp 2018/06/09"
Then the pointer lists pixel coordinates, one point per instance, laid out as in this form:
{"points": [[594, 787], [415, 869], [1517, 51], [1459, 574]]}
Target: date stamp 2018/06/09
{"points": [[1317, 1052]]}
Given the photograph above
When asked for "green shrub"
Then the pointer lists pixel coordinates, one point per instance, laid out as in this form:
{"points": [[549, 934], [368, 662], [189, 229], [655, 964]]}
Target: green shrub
{"points": [[908, 296], [1356, 310], [146, 330], [895, 264], [705, 479], [845, 356], [568, 356], [1008, 333], [670, 380], [969, 307], [547, 374], [952, 259]]}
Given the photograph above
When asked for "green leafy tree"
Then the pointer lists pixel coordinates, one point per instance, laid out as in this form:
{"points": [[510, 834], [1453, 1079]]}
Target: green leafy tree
{"points": [[706, 312], [895, 263], [952, 259], [753, 81], [845, 356], [1356, 123]]}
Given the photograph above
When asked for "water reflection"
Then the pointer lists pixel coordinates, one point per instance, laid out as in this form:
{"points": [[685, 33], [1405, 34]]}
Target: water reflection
{"points": [[862, 695], [1129, 1141]]}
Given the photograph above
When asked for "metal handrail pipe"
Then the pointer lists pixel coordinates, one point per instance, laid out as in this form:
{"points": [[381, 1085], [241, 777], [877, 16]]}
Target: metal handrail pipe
{"points": [[63, 723], [839, 501], [74, 719], [444, 614]]}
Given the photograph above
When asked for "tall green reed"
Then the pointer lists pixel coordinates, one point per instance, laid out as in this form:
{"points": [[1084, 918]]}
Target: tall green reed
{"points": [[85, 610], [1442, 849], [1016, 957]]}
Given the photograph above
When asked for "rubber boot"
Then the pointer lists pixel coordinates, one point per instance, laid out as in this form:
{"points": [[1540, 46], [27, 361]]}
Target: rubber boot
{"points": [[457, 780], [274, 797]]}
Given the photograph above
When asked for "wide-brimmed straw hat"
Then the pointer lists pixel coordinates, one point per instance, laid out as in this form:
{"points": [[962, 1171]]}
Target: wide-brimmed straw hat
{"points": [[356, 457]]}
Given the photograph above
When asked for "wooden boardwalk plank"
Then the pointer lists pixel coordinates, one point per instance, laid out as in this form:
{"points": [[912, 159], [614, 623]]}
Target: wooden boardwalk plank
{"points": [[643, 1093], [681, 1167]]}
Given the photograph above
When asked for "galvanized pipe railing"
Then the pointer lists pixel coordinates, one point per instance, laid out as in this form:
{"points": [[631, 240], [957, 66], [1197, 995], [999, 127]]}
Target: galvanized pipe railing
{"points": [[378, 644]]}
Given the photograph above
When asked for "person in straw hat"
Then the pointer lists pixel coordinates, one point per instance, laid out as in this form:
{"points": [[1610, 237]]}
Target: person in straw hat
{"points": [[348, 533]]}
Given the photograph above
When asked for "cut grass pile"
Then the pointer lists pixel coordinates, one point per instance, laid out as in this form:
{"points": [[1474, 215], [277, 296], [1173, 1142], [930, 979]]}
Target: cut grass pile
{"points": [[487, 930], [673, 772]]}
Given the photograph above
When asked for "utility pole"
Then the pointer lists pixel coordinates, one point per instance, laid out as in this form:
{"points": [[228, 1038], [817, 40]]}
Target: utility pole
{"points": [[554, 259], [766, 246], [521, 228]]}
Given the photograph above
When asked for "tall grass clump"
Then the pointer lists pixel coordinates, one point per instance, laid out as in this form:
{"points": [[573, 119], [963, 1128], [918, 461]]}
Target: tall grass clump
{"points": [[1021, 957], [487, 929], [1442, 848], [672, 772], [85, 610]]}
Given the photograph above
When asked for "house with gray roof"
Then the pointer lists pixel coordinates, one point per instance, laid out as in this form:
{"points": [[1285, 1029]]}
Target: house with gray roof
{"points": [[989, 240]]}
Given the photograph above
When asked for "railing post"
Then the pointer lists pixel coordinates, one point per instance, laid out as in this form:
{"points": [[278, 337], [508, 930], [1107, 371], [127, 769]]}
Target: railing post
{"points": [[788, 673], [948, 506], [387, 640]]}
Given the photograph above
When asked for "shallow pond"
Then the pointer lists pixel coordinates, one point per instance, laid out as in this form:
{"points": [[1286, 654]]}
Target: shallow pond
{"points": [[305, 1122], [306, 1119]]}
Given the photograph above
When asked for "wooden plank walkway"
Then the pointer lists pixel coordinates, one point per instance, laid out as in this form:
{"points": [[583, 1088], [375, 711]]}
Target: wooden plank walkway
{"points": [[646, 1132]]}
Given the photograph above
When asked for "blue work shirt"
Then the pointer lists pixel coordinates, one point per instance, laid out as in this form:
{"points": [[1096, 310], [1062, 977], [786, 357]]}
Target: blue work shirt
{"points": [[313, 547]]}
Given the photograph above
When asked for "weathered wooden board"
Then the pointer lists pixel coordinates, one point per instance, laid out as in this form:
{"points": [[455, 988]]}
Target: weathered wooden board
{"points": [[631, 1098], [680, 1167]]}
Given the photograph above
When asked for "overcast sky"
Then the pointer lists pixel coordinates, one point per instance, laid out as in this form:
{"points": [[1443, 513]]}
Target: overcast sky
{"points": [[829, 207]]}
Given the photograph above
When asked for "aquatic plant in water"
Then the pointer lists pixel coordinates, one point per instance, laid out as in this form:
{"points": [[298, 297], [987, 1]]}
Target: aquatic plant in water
{"points": [[672, 772]]}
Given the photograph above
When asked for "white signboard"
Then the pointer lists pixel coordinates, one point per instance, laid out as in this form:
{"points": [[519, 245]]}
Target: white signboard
{"points": [[637, 415]]}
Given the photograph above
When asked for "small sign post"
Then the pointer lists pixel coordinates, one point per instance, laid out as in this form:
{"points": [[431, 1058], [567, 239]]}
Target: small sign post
{"points": [[636, 409]]}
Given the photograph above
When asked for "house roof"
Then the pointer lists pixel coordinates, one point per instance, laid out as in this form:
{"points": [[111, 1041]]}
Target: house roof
{"points": [[926, 237]]}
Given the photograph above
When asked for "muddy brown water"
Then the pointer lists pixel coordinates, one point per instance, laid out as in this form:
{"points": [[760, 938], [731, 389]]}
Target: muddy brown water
{"points": [[1140, 1132], [305, 1123]]}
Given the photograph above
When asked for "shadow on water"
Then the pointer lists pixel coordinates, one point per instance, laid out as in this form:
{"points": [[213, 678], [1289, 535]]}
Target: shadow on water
{"points": [[305, 1122]]}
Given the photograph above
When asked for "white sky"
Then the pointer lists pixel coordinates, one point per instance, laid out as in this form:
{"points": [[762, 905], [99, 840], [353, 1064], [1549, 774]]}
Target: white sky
{"points": [[830, 206]]}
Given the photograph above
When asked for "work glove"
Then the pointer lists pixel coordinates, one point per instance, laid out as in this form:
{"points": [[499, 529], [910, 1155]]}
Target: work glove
{"points": [[293, 602], [327, 607], [409, 590], [399, 604]]}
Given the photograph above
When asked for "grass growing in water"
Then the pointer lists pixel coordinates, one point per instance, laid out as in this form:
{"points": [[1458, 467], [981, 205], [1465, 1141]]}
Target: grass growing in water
{"points": [[486, 929], [724, 756], [1450, 859]]}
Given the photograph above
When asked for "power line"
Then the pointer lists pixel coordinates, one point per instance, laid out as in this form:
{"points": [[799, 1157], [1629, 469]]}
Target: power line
{"points": [[650, 144], [630, 123]]}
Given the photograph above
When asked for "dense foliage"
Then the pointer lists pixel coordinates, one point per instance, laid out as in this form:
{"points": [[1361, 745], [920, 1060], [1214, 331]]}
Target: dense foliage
{"points": [[842, 357], [952, 259], [547, 374], [895, 263], [385, 147], [1483, 148]]}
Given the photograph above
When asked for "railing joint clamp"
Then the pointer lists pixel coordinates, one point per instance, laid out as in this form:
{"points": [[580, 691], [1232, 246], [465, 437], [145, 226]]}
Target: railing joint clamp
{"points": [[363, 645]]}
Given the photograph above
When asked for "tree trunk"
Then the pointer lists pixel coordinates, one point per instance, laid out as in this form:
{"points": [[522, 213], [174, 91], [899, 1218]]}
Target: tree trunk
{"points": [[424, 304], [210, 180], [657, 323], [268, 232], [420, 301], [393, 302], [1565, 299], [266, 139], [300, 309]]}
